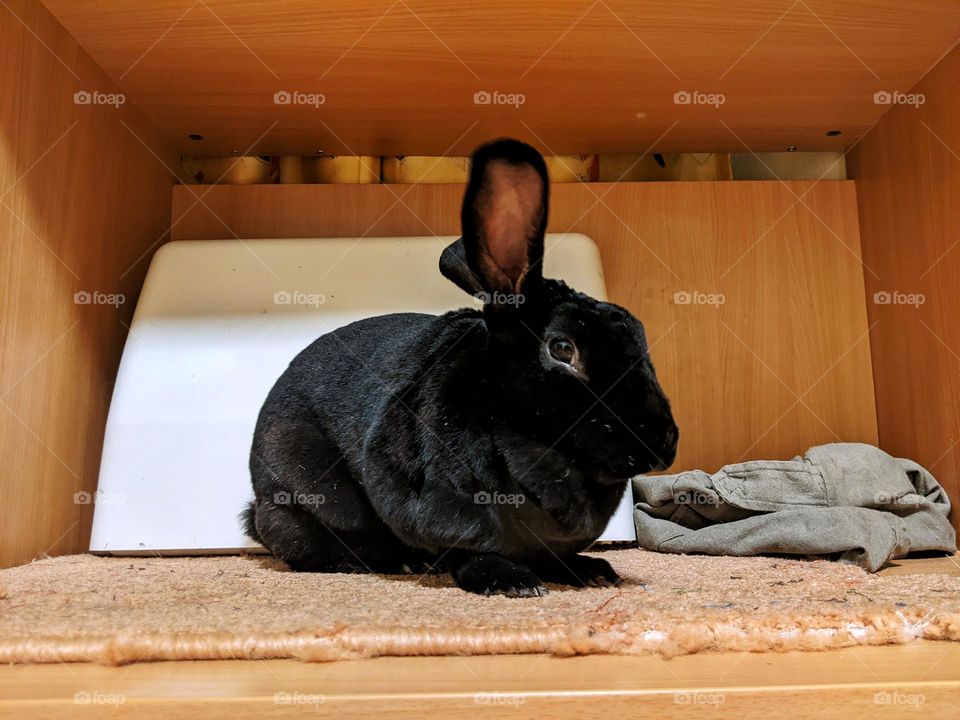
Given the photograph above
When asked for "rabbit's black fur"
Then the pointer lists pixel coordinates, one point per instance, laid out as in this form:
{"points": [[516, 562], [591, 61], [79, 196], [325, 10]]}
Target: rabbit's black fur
{"points": [[471, 440]]}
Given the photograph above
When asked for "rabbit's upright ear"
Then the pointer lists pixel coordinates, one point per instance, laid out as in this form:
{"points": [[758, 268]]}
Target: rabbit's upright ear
{"points": [[504, 219]]}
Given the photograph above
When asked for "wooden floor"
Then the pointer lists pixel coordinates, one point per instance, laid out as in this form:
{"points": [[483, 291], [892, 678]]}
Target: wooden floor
{"points": [[873, 682]]}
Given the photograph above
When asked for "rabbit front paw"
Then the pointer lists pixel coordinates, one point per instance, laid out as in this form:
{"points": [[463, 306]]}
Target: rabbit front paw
{"points": [[579, 571], [488, 574]]}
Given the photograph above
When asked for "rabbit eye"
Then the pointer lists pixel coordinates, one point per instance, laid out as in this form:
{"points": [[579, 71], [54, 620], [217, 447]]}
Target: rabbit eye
{"points": [[562, 350]]}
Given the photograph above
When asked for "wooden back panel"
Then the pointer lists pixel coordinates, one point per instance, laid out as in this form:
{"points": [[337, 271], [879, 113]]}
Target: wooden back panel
{"points": [[83, 199], [779, 361], [907, 171]]}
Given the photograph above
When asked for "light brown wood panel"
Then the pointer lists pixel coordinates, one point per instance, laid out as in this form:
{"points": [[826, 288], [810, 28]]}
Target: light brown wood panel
{"points": [[850, 684], [399, 76], [782, 364], [907, 172], [81, 199]]}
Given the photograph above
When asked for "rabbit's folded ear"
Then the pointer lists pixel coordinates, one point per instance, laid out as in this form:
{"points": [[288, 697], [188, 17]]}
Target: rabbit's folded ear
{"points": [[453, 266], [504, 219]]}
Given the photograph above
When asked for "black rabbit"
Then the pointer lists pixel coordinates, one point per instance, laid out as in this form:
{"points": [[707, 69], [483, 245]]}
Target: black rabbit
{"points": [[495, 444]]}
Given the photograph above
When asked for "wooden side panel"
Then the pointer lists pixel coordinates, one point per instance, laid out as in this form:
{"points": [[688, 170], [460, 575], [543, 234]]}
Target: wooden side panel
{"points": [[907, 171], [82, 198], [752, 300]]}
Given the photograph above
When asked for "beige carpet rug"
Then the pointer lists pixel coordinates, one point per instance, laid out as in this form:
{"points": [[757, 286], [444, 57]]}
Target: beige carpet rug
{"points": [[121, 610]]}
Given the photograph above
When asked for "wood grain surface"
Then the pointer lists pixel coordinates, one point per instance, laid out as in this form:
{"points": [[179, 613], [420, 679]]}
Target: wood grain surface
{"points": [[399, 77], [84, 196], [907, 173]]}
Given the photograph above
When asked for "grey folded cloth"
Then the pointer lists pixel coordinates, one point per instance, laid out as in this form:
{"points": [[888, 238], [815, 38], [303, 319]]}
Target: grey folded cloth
{"points": [[845, 498]]}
